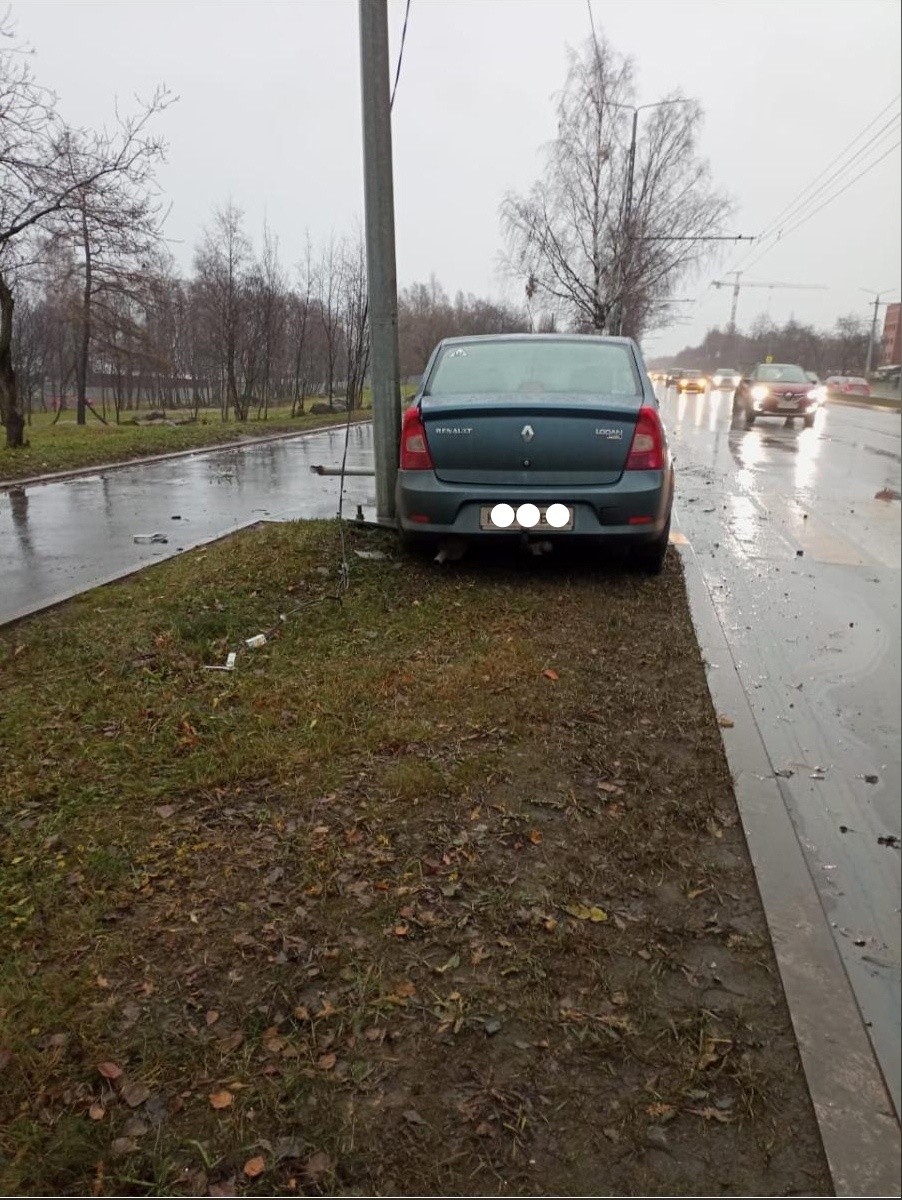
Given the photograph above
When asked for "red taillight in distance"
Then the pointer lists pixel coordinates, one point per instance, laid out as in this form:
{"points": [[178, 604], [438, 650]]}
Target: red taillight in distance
{"points": [[415, 454], [647, 449]]}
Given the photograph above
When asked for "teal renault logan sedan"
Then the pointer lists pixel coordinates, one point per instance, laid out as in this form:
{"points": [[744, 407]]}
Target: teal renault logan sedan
{"points": [[545, 437]]}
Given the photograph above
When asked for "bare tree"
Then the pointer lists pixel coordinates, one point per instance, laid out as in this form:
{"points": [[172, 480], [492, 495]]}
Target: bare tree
{"points": [[571, 240], [45, 167], [354, 319], [220, 263], [328, 291]]}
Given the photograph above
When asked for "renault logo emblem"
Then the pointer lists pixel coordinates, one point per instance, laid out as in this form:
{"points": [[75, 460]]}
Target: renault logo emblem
{"points": [[527, 433]]}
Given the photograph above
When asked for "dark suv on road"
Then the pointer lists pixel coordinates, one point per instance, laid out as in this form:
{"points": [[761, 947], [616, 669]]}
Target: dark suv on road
{"points": [[776, 390]]}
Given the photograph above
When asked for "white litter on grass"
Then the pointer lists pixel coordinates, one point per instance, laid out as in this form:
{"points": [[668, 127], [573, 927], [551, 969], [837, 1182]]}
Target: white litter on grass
{"points": [[371, 554], [255, 642], [229, 663]]}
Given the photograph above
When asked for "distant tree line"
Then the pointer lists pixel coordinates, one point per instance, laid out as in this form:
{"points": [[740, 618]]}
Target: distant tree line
{"points": [[841, 350], [238, 334], [92, 306]]}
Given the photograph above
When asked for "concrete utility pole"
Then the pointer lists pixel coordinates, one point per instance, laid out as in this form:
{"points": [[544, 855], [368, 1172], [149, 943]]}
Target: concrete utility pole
{"points": [[382, 282]]}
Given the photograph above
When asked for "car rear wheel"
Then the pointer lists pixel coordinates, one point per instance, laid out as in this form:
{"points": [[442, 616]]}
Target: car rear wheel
{"points": [[808, 420], [649, 558], [749, 418]]}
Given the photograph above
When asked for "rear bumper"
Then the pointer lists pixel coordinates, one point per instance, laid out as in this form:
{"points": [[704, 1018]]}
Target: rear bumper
{"points": [[599, 513]]}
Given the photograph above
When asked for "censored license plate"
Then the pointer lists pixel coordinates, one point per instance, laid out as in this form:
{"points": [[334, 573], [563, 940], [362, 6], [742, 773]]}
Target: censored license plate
{"points": [[485, 522], [788, 405]]}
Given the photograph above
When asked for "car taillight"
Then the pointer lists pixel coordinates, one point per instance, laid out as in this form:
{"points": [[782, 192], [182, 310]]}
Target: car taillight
{"points": [[415, 454], [647, 449]]}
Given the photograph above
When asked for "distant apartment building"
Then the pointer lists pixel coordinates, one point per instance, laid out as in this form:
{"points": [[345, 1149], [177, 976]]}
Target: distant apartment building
{"points": [[892, 346]]}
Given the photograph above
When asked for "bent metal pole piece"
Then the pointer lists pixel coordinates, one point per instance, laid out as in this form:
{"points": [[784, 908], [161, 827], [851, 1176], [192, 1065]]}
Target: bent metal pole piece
{"points": [[338, 471]]}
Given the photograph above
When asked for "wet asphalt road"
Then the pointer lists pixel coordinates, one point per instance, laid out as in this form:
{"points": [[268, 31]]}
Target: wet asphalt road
{"points": [[797, 533], [815, 636], [57, 539]]}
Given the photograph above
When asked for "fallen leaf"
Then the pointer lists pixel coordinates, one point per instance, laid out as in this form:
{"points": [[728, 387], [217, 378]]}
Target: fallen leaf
{"points": [[135, 1128], [212, 1017], [712, 1114], [451, 965], [134, 1094], [109, 1070], [583, 912], [96, 1112], [302, 1013], [550, 924], [232, 1042], [610, 788], [221, 1099], [401, 930], [121, 1146], [326, 1062], [551, 674], [255, 1166], [725, 722], [413, 1117], [164, 811], [663, 1112], [318, 1165], [535, 837]]}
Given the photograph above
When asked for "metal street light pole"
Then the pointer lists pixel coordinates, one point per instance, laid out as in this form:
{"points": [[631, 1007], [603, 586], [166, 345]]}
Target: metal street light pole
{"points": [[382, 284], [873, 335], [628, 206]]}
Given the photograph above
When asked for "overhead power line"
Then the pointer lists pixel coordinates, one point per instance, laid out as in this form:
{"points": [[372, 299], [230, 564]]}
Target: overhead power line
{"points": [[394, 89], [802, 200], [835, 196], [783, 213]]}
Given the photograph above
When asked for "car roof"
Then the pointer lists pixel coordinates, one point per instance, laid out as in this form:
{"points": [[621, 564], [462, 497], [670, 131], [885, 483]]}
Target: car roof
{"points": [[537, 337]]}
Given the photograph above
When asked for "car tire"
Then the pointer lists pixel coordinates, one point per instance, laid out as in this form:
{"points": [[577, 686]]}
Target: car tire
{"points": [[808, 420], [650, 557], [749, 418]]}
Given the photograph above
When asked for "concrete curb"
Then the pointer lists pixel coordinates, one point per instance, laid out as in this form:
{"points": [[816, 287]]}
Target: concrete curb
{"points": [[117, 576], [859, 1131], [61, 476]]}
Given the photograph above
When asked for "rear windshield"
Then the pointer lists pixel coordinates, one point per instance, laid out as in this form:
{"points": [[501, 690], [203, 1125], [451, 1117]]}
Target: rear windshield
{"points": [[559, 368], [780, 373]]}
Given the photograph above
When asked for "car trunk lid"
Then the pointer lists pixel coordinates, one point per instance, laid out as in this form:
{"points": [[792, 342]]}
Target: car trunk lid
{"points": [[557, 441]]}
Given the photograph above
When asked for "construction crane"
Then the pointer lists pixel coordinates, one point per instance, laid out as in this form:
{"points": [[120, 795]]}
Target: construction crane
{"points": [[736, 285]]}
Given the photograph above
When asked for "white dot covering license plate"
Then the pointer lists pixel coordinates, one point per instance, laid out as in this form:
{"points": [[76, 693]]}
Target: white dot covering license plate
{"points": [[485, 522]]}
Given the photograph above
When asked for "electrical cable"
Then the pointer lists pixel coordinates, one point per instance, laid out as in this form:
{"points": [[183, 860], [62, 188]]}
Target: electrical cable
{"points": [[795, 206], [804, 220], [783, 214]]}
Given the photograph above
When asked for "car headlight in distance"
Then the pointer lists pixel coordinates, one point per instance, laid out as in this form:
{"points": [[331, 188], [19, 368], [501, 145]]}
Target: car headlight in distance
{"points": [[760, 392], [502, 516], [528, 515], [557, 515]]}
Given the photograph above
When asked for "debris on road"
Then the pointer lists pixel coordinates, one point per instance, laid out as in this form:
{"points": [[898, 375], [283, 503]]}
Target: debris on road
{"points": [[146, 539], [871, 778]]}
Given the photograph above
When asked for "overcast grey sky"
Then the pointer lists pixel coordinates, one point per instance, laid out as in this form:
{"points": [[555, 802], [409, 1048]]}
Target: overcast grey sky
{"points": [[269, 115]]}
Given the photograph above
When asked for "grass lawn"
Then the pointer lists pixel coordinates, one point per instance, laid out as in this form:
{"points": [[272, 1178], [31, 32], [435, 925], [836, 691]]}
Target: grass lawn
{"points": [[442, 891], [66, 446]]}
